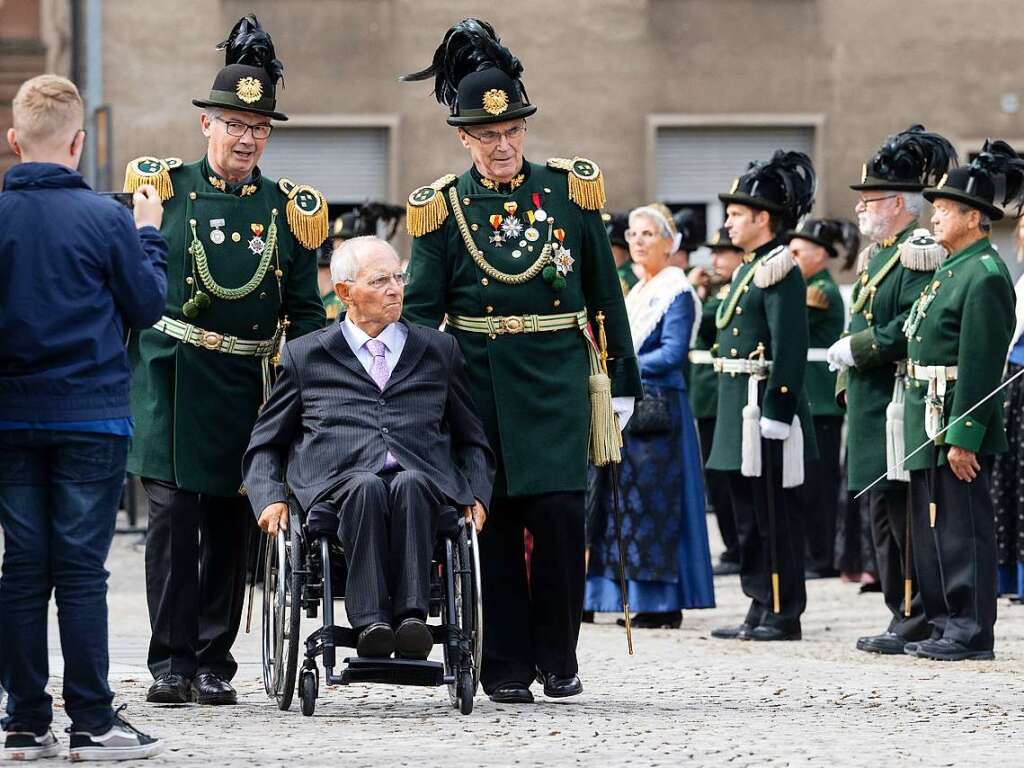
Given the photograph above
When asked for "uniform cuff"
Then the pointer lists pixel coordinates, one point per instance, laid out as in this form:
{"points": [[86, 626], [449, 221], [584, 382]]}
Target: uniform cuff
{"points": [[865, 350], [967, 434], [625, 377]]}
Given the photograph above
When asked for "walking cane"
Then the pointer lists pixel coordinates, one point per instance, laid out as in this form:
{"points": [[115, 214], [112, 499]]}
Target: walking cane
{"points": [[773, 546], [254, 568], [613, 468], [933, 508]]}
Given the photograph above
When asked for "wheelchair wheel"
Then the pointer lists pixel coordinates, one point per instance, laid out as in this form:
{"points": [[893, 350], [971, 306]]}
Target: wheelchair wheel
{"points": [[463, 664], [307, 691], [467, 687], [282, 614]]}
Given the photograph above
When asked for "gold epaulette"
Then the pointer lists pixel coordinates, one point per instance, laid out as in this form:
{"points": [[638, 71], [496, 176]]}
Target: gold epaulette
{"points": [[426, 209], [773, 267], [817, 298], [306, 212], [152, 170], [586, 184]]}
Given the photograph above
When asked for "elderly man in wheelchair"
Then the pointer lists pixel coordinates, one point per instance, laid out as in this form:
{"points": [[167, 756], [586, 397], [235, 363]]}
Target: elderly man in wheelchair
{"points": [[370, 429]]}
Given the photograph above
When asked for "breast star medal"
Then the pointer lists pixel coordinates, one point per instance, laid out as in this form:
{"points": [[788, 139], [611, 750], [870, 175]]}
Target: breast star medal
{"points": [[511, 227], [563, 261]]}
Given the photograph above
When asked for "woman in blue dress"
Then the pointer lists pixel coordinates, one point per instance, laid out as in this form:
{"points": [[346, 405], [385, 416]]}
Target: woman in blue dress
{"points": [[666, 554]]}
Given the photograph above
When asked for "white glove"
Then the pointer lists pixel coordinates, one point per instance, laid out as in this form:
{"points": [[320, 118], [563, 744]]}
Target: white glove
{"points": [[774, 430], [840, 355], [623, 407]]}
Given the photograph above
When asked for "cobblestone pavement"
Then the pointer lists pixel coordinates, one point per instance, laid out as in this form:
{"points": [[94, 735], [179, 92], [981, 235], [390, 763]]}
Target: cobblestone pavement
{"points": [[683, 699]]}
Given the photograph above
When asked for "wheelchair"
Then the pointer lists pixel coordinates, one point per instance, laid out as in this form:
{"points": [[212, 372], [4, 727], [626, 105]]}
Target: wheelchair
{"points": [[304, 574]]}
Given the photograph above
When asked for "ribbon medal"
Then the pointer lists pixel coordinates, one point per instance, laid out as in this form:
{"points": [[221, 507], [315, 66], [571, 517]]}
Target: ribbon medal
{"points": [[511, 227], [539, 213], [496, 238], [257, 244], [216, 234]]}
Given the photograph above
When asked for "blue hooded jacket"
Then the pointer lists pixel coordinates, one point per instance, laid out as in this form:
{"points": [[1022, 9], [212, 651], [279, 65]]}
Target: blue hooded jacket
{"points": [[75, 275]]}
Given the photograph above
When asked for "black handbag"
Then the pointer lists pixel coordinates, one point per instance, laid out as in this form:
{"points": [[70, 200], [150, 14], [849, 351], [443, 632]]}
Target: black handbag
{"points": [[650, 416]]}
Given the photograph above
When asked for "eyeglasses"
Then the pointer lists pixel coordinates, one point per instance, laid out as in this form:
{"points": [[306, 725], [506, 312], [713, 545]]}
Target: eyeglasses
{"points": [[489, 138], [380, 282], [866, 201], [236, 129]]}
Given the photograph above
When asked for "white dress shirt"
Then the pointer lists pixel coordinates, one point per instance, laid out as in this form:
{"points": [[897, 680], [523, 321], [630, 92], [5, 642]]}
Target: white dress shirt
{"points": [[393, 337]]}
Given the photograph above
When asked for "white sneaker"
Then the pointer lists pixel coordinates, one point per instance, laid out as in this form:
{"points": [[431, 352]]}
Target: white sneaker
{"points": [[121, 741], [21, 745]]}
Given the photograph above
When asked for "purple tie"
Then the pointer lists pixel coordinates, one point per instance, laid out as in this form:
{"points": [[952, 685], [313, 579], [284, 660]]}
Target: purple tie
{"points": [[380, 374]]}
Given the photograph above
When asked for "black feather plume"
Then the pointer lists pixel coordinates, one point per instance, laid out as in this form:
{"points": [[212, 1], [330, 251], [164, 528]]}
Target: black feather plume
{"points": [[469, 46], [999, 159], [914, 154], [794, 173], [248, 43]]}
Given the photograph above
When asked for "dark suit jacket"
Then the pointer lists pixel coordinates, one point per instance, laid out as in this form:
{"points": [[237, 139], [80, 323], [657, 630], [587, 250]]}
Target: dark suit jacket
{"points": [[326, 418]]}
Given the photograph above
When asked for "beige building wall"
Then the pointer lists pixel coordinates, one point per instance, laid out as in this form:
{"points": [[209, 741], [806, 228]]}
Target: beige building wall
{"points": [[597, 69]]}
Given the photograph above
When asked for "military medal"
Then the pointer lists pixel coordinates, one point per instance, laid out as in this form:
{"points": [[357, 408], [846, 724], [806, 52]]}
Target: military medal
{"points": [[563, 261], [496, 238], [516, 254], [511, 227], [532, 234], [539, 214], [216, 234], [257, 244]]}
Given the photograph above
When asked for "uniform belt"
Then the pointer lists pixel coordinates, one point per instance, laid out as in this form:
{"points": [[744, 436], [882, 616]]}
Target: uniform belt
{"points": [[931, 372], [213, 341], [512, 324], [752, 367], [701, 357]]}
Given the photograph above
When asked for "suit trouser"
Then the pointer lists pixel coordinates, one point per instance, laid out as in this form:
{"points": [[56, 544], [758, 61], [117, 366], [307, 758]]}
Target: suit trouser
{"points": [[956, 560], [196, 549], [749, 496], [819, 495], [537, 624], [717, 485], [889, 532], [388, 526]]}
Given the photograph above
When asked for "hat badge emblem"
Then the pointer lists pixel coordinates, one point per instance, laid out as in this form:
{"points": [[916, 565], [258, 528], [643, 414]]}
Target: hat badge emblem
{"points": [[249, 89], [942, 181], [495, 101], [863, 173]]}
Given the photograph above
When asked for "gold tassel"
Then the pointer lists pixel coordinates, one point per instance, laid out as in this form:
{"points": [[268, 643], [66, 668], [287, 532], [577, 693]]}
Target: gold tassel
{"points": [[134, 178], [587, 193], [310, 229], [421, 218], [605, 435]]}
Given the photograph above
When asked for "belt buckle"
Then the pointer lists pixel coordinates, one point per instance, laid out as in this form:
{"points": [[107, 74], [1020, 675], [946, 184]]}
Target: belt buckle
{"points": [[513, 324], [211, 340]]}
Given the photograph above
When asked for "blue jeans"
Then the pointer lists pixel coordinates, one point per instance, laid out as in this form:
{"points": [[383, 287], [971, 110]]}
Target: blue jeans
{"points": [[59, 493]]}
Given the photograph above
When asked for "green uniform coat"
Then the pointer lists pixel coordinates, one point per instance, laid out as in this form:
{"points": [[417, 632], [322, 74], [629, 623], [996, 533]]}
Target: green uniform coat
{"points": [[775, 316], [194, 408], [825, 321], [531, 388], [968, 322], [878, 344], [701, 379]]}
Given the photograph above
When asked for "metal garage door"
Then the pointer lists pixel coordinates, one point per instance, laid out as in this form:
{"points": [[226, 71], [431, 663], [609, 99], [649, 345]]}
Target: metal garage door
{"points": [[347, 165], [695, 164]]}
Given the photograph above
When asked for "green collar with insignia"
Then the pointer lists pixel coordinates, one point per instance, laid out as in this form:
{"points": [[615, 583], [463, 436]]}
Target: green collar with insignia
{"points": [[244, 188]]}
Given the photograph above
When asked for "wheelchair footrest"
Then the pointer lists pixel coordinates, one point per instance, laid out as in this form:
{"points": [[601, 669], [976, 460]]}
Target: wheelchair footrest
{"points": [[343, 637], [392, 671]]}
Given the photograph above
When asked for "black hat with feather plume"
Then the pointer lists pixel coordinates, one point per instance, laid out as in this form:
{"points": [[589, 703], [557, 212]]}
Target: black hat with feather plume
{"points": [[908, 162], [476, 76], [248, 81], [837, 236], [783, 186], [997, 168]]}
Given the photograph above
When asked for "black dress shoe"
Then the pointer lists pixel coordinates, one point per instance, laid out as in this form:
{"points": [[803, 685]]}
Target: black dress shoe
{"points": [[766, 634], [950, 650], [377, 641], [888, 643], [742, 632], [726, 568], [511, 693], [654, 620], [413, 639], [556, 687], [169, 689], [208, 688]]}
